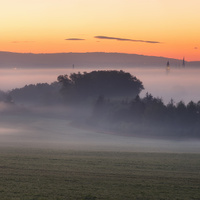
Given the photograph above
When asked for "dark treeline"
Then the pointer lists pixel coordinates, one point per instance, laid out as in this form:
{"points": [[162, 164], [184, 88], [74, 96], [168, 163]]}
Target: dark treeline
{"points": [[39, 94], [84, 87], [117, 106], [79, 88], [5, 97], [148, 116]]}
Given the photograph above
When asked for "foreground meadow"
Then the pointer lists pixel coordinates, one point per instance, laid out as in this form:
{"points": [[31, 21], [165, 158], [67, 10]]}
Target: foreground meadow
{"points": [[39, 174]]}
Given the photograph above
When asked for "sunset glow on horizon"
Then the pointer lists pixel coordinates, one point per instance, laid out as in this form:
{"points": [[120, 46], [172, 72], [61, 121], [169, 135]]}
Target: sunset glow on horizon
{"points": [[168, 28]]}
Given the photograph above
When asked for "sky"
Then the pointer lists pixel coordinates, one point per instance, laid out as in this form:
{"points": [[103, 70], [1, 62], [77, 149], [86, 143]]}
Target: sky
{"points": [[168, 28]]}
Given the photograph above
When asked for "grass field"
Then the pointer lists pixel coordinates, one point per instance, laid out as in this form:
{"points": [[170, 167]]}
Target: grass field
{"points": [[40, 174]]}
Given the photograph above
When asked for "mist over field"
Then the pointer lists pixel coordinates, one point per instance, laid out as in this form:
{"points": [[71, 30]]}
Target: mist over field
{"points": [[99, 135], [53, 129], [99, 100], [34, 120]]}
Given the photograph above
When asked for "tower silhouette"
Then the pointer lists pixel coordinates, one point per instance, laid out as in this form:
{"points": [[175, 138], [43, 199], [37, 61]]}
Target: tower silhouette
{"points": [[183, 64]]}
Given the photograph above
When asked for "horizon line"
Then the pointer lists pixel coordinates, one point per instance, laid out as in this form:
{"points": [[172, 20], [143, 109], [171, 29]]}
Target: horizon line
{"points": [[101, 52]]}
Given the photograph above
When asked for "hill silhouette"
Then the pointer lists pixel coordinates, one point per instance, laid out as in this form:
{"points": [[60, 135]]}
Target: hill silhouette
{"points": [[95, 59]]}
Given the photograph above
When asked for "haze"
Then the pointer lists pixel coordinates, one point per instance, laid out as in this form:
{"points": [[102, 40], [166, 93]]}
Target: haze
{"points": [[161, 30], [52, 128], [181, 84], [56, 126]]}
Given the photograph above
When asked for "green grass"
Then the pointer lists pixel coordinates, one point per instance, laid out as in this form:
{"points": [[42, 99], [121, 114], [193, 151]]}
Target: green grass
{"points": [[39, 174]]}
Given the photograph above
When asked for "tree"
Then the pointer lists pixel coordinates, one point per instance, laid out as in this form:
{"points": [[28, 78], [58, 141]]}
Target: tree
{"points": [[111, 84]]}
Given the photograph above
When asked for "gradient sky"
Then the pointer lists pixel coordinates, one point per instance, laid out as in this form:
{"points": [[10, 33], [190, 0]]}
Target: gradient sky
{"points": [[169, 28]]}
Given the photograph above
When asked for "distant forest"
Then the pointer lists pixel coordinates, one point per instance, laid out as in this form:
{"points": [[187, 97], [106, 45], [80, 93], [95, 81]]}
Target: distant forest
{"points": [[116, 105]]}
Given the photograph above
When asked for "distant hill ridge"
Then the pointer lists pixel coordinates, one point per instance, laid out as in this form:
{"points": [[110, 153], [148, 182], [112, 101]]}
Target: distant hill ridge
{"points": [[94, 59]]}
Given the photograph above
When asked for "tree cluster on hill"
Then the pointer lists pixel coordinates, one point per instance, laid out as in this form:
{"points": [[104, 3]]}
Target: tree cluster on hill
{"points": [[85, 86], [78, 88], [122, 110], [147, 116], [39, 94]]}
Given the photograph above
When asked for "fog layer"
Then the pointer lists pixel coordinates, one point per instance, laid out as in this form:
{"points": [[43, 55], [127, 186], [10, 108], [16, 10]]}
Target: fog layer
{"points": [[63, 126], [35, 130], [178, 83]]}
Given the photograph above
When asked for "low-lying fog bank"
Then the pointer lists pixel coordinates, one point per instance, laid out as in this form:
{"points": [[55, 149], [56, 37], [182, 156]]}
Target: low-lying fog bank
{"points": [[55, 130], [99, 110], [178, 83]]}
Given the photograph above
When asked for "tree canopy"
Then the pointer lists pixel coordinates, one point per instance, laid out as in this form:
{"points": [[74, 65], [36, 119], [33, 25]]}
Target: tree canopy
{"points": [[111, 83], [41, 93]]}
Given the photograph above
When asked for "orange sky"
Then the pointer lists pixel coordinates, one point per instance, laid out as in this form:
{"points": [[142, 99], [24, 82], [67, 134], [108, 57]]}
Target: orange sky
{"points": [[128, 26]]}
